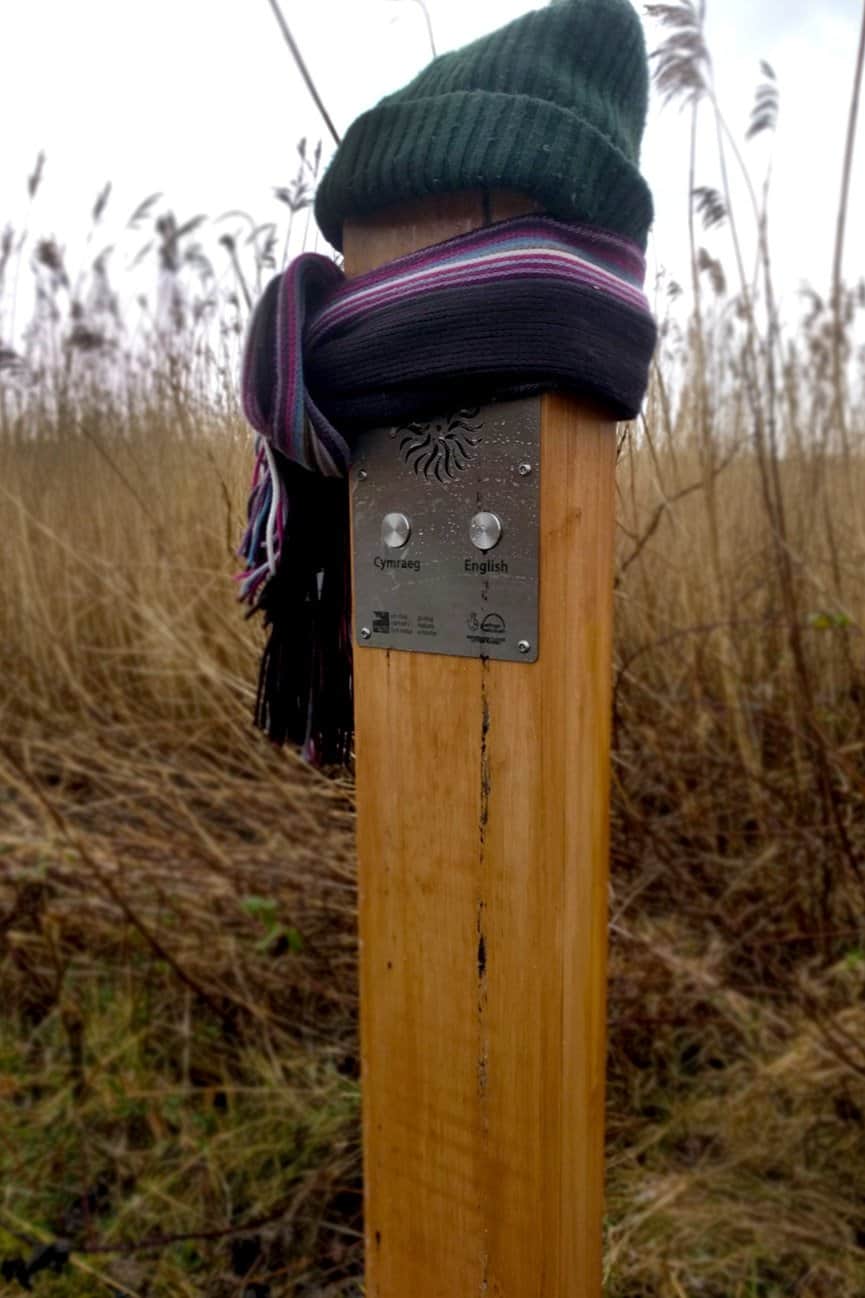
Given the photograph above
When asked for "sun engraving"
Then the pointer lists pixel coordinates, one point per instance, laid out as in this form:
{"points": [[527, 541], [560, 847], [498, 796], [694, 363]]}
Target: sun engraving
{"points": [[440, 448]]}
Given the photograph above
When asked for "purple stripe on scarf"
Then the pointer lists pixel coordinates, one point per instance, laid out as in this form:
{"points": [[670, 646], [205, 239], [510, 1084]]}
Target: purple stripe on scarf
{"points": [[348, 305], [618, 250]]}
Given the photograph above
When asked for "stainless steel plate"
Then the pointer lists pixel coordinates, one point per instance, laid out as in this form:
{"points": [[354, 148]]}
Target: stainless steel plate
{"points": [[446, 517]]}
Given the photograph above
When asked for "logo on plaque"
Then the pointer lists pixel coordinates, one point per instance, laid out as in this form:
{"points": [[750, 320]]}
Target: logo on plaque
{"points": [[440, 449], [494, 624]]}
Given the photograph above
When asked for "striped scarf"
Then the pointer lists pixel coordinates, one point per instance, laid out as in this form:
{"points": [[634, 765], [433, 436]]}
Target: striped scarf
{"points": [[527, 305]]}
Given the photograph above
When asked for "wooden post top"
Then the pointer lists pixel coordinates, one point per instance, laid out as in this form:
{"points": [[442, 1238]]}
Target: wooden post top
{"points": [[395, 231]]}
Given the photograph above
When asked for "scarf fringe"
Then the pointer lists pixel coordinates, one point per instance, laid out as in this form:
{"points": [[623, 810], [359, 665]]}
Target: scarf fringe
{"points": [[304, 693]]}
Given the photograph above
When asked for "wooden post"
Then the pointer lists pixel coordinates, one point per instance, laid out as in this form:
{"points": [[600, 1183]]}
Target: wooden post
{"points": [[482, 792]]}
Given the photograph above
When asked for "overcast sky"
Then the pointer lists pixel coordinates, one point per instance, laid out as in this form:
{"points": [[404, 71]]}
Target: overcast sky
{"points": [[200, 99]]}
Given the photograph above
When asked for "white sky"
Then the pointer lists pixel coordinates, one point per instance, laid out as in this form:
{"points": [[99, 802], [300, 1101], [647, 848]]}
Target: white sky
{"points": [[200, 99]]}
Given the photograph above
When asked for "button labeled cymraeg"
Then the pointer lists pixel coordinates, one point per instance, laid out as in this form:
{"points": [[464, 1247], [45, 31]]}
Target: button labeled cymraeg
{"points": [[395, 531], [485, 531]]}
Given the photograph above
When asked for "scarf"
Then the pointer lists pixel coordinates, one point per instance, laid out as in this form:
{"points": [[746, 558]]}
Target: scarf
{"points": [[528, 305]]}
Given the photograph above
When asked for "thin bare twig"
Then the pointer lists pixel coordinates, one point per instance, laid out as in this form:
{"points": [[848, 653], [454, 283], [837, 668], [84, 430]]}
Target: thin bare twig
{"points": [[302, 68], [840, 232]]}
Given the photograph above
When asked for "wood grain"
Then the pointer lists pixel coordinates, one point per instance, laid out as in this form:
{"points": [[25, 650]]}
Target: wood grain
{"points": [[483, 845]]}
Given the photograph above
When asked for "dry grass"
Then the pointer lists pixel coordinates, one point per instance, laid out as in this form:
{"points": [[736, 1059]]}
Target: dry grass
{"points": [[179, 1058], [178, 1062], [178, 1072]]}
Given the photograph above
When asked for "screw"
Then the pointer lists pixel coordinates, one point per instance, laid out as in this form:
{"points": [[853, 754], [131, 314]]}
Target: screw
{"points": [[365, 633], [362, 475], [524, 470], [524, 646]]}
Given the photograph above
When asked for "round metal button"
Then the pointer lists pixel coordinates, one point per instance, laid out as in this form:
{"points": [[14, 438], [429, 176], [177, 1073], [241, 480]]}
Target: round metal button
{"points": [[486, 531], [395, 531]]}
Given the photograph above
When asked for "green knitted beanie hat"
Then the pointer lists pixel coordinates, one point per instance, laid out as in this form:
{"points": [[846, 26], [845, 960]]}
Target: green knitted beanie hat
{"points": [[553, 105]]}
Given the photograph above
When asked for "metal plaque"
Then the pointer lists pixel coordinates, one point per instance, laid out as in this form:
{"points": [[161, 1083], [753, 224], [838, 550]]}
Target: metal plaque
{"points": [[446, 520]]}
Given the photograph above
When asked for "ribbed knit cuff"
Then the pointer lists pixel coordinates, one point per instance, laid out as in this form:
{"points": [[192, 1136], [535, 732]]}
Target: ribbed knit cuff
{"points": [[482, 139]]}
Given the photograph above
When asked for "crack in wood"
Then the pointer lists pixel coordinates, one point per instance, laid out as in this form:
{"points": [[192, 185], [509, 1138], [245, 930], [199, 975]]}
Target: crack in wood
{"points": [[482, 947]]}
